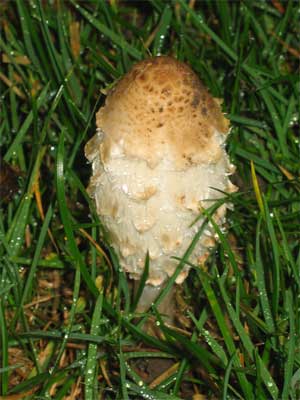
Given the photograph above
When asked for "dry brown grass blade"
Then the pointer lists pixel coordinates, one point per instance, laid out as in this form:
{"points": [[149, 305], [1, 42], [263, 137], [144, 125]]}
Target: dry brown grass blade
{"points": [[19, 396], [39, 203], [291, 50], [170, 371], [75, 38], [104, 372], [279, 7], [102, 252], [38, 301], [286, 173], [11, 85], [76, 390], [21, 60]]}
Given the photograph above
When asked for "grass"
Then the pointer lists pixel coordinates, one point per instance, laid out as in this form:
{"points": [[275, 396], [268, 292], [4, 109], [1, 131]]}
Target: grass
{"points": [[67, 318]]}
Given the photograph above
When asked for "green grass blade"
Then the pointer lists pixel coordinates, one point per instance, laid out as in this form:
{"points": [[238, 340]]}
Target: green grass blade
{"points": [[163, 29], [276, 263], [91, 364], [26, 125], [39, 246], [245, 385], [291, 347], [142, 283], [65, 216], [115, 38], [123, 382], [4, 350], [261, 282], [249, 347]]}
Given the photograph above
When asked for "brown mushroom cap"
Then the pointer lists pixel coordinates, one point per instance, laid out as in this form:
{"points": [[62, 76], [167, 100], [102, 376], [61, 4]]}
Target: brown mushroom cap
{"points": [[161, 108]]}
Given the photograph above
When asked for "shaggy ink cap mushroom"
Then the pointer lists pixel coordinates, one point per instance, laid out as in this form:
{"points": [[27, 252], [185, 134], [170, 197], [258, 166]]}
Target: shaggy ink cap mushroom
{"points": [[157, 157]]}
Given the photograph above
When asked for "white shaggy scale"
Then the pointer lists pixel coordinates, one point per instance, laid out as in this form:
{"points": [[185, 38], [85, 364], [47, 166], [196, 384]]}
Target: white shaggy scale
{"points": [[151, 209]]}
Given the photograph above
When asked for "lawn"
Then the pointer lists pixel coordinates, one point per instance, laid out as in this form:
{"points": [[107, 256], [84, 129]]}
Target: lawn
{"points": [[68, 327]]}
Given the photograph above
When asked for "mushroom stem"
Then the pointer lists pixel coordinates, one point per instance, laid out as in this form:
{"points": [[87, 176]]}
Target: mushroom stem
{"points": [[167, 306]]}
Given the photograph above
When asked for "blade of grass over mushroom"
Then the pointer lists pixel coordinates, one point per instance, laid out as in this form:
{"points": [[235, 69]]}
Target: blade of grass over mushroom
{"points": [[185, 258], [122, 282], [142, 283]]}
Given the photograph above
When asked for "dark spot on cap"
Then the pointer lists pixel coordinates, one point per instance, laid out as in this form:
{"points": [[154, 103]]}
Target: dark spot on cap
{"points": [[166, 91], [195, 100], [204, 110]]}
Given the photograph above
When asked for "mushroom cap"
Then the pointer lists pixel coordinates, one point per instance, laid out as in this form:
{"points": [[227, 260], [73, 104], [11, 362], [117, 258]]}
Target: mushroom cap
{"points": [[157, 157], [160, 107]]}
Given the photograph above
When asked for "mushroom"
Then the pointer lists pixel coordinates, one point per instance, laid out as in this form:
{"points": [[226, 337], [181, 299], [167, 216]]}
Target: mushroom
{"points": [[157, 155]]}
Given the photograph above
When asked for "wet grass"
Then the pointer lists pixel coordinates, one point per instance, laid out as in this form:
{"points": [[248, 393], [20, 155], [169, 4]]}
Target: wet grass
{"points": [[67, 324]]}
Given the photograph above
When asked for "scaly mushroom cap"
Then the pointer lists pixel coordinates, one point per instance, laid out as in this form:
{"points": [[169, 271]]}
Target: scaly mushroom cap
{"points": [[156, 156], [161, 106]]}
